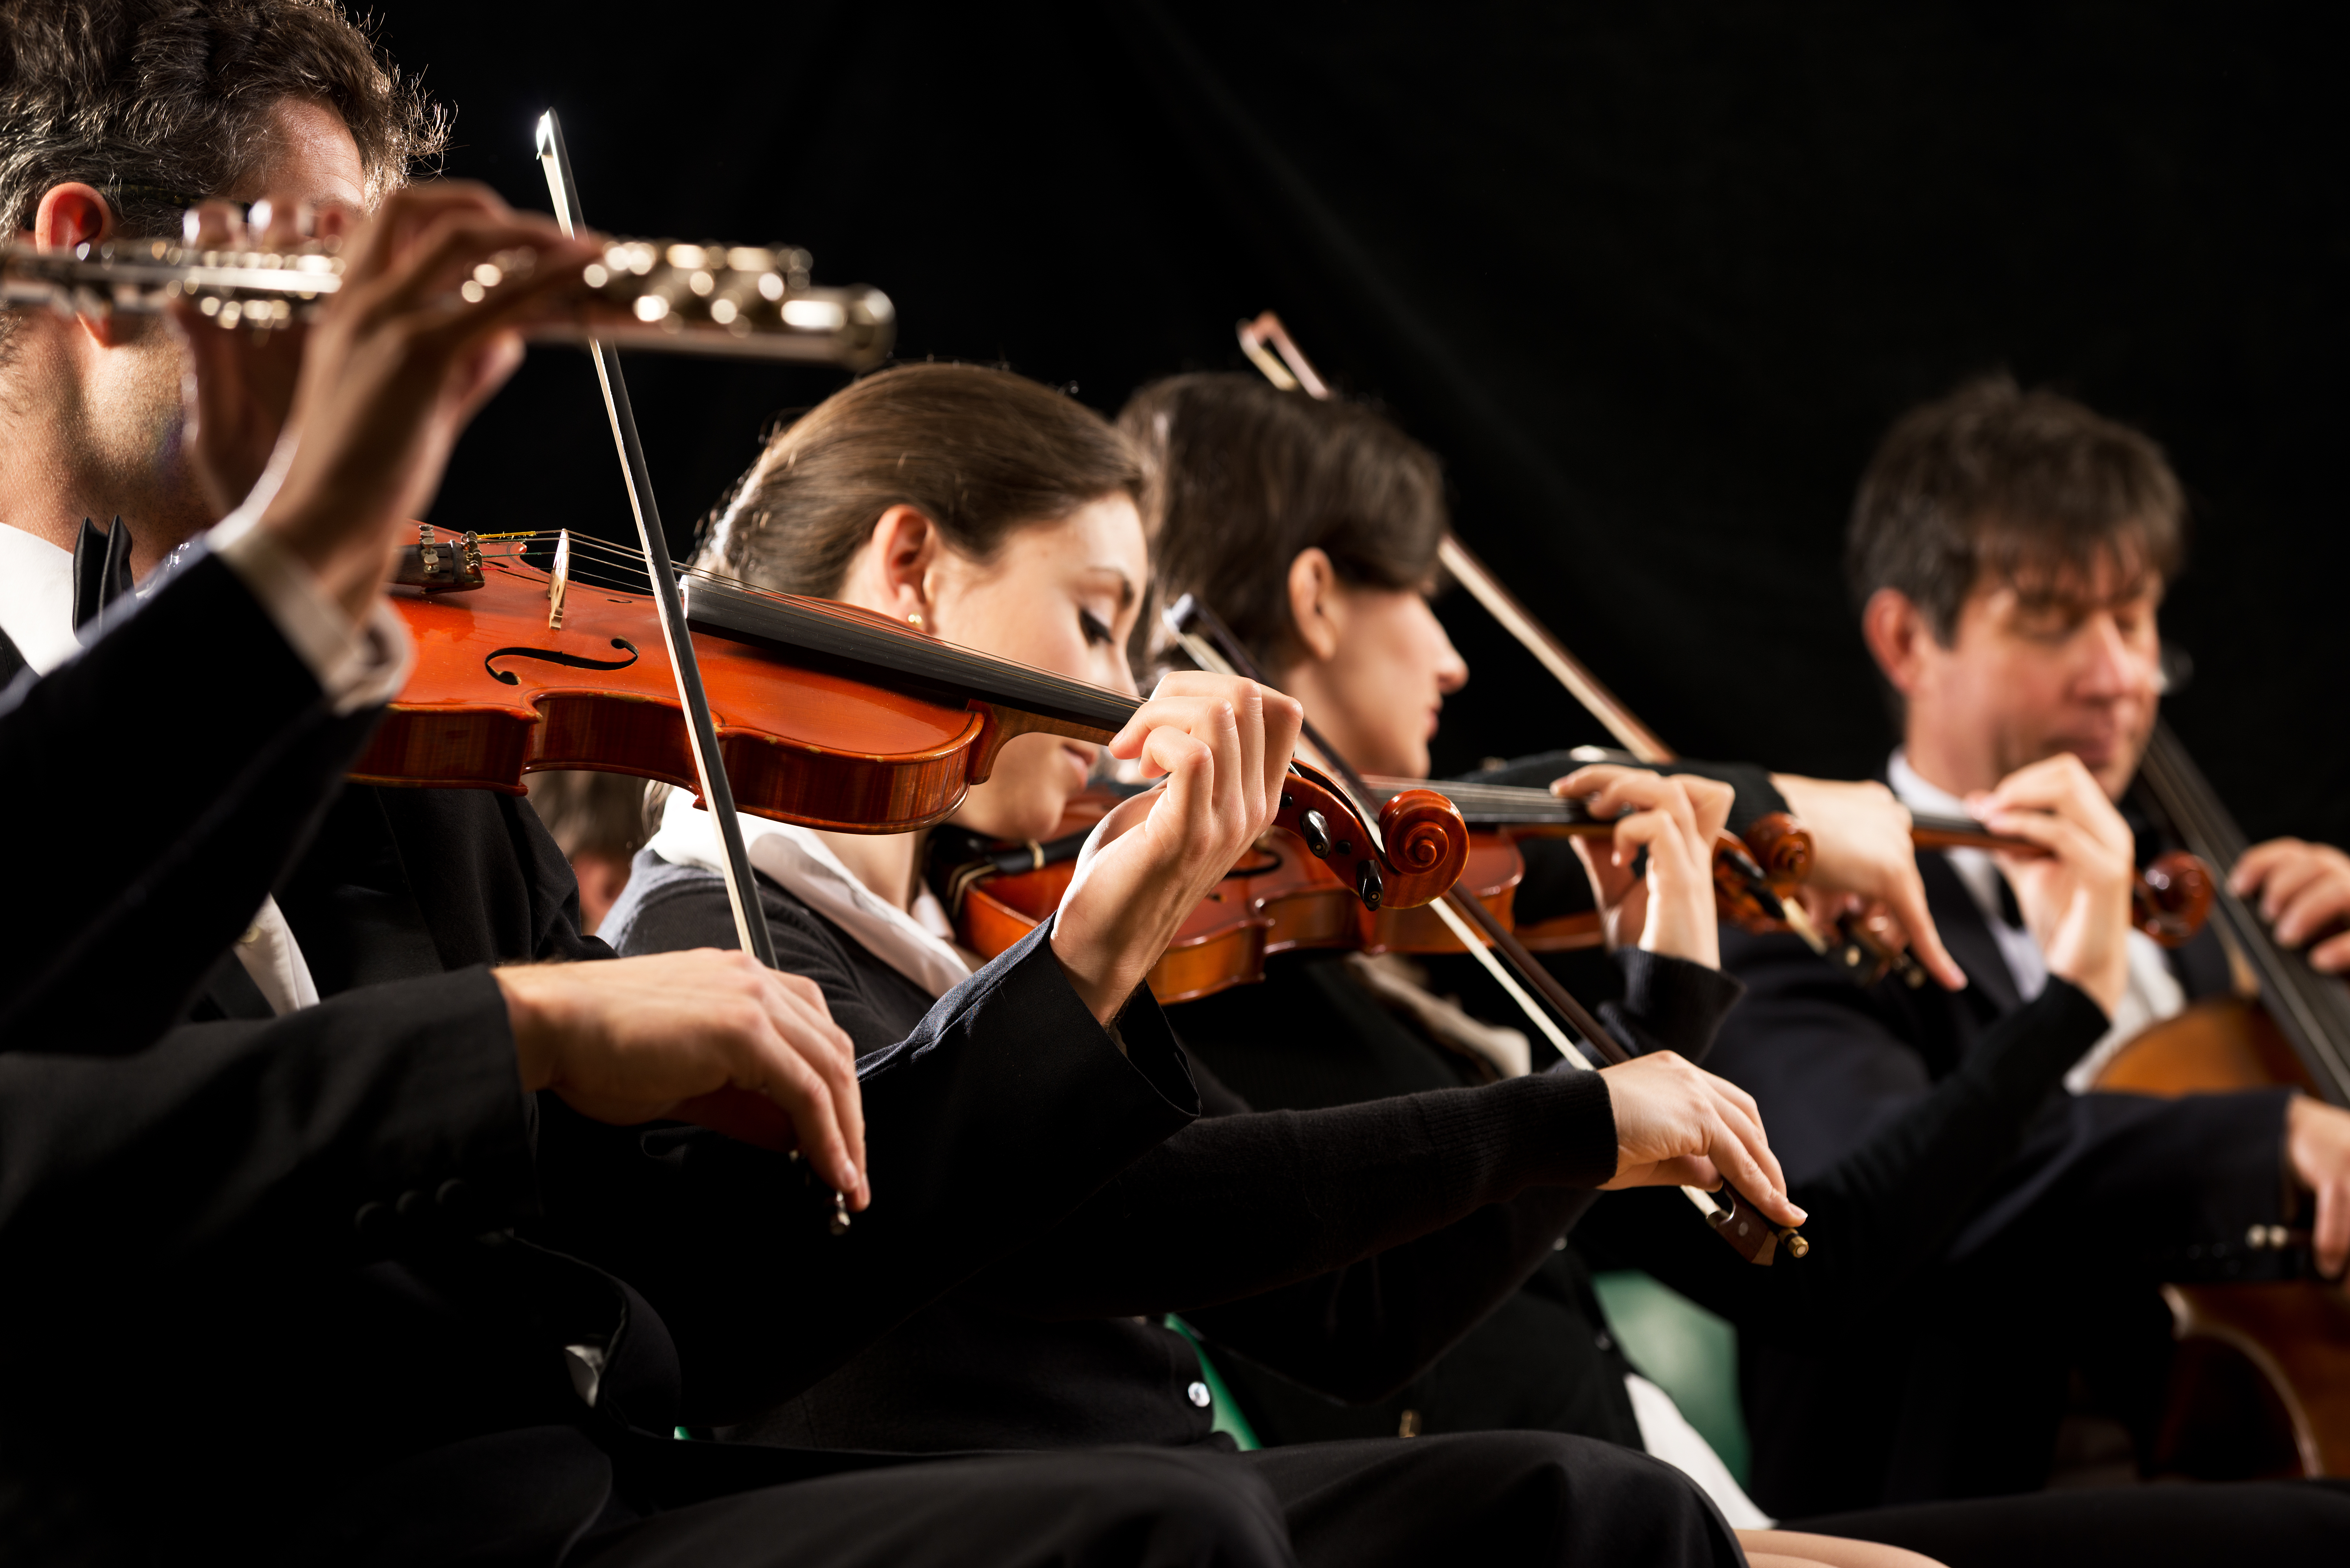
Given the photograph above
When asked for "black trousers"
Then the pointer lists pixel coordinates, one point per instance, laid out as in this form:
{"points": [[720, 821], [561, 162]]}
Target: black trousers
{"points": [[1497, 1499], [2182, 1526], [1124, 1508]]}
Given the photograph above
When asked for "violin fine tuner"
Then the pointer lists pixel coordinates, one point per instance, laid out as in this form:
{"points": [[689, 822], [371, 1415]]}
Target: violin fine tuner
{"points": [[434, 567]]}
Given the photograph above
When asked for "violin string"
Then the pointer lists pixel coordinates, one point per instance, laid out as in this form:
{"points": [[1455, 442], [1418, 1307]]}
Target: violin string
{"points": [[983, 671]]}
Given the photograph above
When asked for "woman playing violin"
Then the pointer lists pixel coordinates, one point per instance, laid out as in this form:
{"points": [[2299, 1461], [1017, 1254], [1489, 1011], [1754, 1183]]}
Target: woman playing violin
{"points": [[991, 512]]}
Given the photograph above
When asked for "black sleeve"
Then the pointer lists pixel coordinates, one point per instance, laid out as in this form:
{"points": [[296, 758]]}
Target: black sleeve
{"points": [[1251, 1201], [1887, 1207], [317, 1138], [198, 688], [2125, 1180], [1348, 1248], [1669, 1004], [1754, 793], [1004, 1109]]}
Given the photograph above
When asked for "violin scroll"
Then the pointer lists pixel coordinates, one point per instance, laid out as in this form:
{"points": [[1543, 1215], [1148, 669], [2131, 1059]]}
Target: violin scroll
{"points": [[1781, 847], [2172, 899], [1427, 843]]}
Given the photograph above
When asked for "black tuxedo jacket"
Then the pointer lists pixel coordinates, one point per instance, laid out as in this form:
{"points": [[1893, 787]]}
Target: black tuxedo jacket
{"points": [[1960, 1390], [330, 1284], [194, 752]]}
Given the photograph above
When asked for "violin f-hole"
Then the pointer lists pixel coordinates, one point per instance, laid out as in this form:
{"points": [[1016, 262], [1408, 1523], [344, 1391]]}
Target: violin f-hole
{"points": [[554, 656]]}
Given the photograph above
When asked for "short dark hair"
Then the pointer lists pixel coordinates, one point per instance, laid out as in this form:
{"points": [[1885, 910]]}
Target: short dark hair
{"points": [[980, 453], [161, 102], [594, 813], [1244, 477], [1996, 483]]}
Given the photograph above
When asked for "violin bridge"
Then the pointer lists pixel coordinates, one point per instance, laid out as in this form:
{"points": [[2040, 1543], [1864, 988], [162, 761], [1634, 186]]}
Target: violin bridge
{"points": [[559, 580]]}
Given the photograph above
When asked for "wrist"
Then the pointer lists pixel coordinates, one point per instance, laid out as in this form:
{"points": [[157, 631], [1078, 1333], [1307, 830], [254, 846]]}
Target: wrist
{"points": [[529, 1014], [1101, 988], [348, 566]]}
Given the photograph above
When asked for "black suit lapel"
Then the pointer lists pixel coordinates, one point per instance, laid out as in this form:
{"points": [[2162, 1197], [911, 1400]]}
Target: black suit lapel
{"points": [[352, 905], [1991, 984]]}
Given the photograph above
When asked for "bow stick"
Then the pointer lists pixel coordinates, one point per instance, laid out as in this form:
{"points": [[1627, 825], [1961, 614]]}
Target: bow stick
{"points": [[708, 767]]}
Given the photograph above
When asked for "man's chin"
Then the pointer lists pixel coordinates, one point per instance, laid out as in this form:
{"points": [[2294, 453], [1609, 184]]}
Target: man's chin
{"points": [[2113, 764]]}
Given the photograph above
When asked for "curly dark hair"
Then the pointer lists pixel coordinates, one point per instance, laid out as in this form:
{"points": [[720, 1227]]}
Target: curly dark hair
{"points": [[1997, 485], [159, 103]]}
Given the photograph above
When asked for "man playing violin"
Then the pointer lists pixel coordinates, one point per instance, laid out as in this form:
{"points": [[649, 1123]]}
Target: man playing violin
{"points": [[334, 1170], [2009, 552]]}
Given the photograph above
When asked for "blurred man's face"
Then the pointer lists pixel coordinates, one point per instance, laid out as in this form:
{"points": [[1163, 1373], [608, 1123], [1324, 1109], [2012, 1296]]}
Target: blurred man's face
{"points": [[2069, 663]]}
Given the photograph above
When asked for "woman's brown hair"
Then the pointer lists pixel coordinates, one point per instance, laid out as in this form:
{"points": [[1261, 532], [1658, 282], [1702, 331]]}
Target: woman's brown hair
{"points": [[980, 453], [1242, 477]]}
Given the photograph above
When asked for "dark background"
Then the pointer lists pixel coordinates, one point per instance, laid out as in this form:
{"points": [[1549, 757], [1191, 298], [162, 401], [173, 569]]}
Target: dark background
{"points": [[1652, 280]]}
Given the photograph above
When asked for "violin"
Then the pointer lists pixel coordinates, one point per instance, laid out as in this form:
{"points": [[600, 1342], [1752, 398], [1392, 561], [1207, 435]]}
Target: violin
{"points": [[1281, 898], [825, 714], [2290, 1340], [2169, 901]]}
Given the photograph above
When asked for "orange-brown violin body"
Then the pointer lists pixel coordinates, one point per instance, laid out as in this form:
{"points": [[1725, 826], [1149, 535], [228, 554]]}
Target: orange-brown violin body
{"points": [[529, 671], [1277, 899], [498, 694]]}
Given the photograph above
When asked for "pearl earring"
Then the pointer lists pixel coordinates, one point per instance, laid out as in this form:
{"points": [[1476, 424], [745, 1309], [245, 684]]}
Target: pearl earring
{"points": [[915, 621]]}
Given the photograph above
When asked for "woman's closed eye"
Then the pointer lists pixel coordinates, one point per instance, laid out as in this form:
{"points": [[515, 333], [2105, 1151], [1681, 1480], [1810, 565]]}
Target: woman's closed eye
{"points": [[1096, 630]]}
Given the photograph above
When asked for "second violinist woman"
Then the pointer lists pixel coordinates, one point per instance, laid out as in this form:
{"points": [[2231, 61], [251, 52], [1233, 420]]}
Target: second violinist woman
{"points": [[1348, 1245]]}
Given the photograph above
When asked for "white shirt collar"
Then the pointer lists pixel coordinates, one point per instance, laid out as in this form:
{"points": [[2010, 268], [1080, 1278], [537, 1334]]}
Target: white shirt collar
{"points": [[36, 597], [1977, 873], [919, 946]]}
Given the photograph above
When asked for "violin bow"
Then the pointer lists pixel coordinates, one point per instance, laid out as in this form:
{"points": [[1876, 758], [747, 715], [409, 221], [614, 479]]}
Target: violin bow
{"points": [[708, 767], [1270, 348], [1512, 966]]}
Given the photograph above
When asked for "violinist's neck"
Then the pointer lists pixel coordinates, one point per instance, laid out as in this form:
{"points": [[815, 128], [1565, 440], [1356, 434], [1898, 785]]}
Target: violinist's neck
{"points": [[95, 432], [884, 862]]}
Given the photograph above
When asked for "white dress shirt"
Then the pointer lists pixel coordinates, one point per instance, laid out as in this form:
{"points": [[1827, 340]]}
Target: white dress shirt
{"points": [[2152, 993], [357, 666]]}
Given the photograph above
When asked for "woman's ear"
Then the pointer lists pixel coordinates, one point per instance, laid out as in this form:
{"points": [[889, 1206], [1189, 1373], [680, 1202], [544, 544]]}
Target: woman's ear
{"points": [[1314, 604], [893, 572]]}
